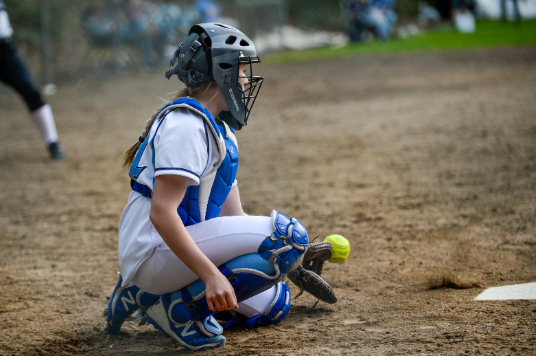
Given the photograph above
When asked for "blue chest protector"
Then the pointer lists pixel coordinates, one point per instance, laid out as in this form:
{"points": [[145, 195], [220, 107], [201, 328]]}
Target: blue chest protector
{"points": [[189, 209], [196, 207]]}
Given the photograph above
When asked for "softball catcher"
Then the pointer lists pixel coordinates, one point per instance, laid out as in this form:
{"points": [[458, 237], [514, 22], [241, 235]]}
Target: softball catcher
{"points": [[186, 248]]}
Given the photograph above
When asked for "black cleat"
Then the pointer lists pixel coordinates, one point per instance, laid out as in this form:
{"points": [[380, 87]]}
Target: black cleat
{"points": [[56, 151]]}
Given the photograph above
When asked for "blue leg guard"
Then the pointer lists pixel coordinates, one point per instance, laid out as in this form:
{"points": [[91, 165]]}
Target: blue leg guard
{"points": [[249, 275], [276, 312], [124, 301], [190, 334]]}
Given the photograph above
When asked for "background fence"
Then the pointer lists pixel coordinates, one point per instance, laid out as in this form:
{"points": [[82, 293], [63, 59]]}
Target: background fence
{"points": [[64, 39]]}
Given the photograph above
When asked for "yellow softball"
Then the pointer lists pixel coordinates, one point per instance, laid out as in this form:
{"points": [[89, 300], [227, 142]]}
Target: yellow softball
{"points": [[341, 248]]}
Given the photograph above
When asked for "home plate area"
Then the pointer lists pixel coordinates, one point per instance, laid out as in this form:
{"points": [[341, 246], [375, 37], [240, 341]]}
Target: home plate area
{"points": [[511, 292]]}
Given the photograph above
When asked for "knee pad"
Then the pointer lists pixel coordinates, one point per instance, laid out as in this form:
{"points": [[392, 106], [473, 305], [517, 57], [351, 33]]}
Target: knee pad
{"points": [[286, 246]]}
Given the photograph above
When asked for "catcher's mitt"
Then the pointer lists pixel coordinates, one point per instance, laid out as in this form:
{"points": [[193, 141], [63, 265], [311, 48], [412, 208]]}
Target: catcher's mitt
{"points": [[312, 283], [317, 253], [307, 276]]}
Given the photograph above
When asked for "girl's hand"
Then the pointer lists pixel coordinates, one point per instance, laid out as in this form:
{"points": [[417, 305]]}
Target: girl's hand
{"points": [[220, 294]]}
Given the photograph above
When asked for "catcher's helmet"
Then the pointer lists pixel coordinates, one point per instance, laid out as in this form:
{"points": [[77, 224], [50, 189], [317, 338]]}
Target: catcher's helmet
{"points": [[212, 53]]}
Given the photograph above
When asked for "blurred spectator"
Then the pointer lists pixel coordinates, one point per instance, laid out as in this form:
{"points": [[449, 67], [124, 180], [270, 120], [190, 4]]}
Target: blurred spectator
{"points": [[140, 29], [353, 11], [153, 27], [383, 17], [365, 17], [517, 15], [209, 10], [463, 16], [170, 19], [126, 24], [100, 28], [428, 15], [139, 23], [462, 6]]}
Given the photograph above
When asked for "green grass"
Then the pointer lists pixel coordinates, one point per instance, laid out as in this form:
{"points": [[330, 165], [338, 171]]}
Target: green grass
{"points": [[488, 34]]}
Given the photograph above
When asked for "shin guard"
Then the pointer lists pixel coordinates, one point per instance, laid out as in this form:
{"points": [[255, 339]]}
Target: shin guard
{"points": [[192, 335], [124, 301], [250, 274]]}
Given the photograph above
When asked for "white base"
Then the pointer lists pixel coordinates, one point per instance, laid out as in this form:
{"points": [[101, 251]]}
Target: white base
{"points": [[516, 291]]}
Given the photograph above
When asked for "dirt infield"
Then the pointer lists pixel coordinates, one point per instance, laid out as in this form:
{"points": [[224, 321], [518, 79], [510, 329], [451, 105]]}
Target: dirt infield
{"points": [[425, 162]]}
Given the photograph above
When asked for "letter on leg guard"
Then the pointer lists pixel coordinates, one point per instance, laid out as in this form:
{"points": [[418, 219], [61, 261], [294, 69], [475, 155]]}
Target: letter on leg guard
{"points": [[192, 335], [124, 301]]}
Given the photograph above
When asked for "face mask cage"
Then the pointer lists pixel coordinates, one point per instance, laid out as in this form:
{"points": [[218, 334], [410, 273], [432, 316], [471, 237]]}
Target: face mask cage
{"points": [[253, 86]]}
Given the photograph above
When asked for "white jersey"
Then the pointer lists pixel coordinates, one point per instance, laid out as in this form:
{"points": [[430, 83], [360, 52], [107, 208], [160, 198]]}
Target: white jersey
{"points": [[181, 143]]}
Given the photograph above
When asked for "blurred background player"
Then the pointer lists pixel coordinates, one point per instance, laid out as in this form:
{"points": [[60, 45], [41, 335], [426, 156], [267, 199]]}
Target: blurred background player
{"points": [[517, 14], [14, 73]]}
